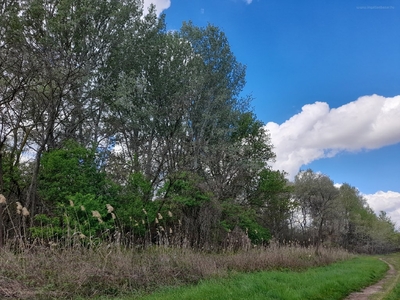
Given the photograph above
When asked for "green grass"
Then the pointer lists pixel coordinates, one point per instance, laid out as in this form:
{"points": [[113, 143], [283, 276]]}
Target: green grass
{"points": [[335, 281]]}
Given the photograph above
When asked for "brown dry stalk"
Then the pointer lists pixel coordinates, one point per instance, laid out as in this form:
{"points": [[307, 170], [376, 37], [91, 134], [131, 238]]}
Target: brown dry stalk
{"points": [[73, 272]]}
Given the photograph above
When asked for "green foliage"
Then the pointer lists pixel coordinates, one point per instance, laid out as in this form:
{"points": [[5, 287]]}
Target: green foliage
{"points": [[85, 217], [257, 233], [87, 214], [139, 187], [246, 219], [184, 189], [47, 228], [272, 200], [133, 206], [68, 171], [14, 177]]}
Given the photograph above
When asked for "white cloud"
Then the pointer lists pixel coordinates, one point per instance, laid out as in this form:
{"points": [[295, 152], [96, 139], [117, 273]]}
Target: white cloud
{"points": [[248, 1], [338, 185], [370, 122], [386, 201], [160, 5]]}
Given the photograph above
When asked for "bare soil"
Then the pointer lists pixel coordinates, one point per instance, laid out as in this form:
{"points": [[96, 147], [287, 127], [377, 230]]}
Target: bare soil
{"points": [[375, 288]]}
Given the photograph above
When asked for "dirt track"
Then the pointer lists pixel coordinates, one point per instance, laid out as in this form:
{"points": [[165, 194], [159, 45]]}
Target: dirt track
{"points": [[373, 289]]}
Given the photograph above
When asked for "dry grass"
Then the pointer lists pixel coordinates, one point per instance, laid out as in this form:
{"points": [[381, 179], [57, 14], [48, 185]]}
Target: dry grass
{"points": [[48, 273]]}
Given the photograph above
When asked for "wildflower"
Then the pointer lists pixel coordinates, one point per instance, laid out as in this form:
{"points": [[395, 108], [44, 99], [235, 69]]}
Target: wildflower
{"points": [[170, 214], [144, 211], [110, 209], [25, 212], [113, 216], [156, 221], [71, 203], [159, 216], [142, 221], [3, 199], [82, 208]]}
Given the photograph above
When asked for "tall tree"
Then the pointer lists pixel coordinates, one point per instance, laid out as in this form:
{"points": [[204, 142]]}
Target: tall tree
{"points": [[317, 196], [58, 51], [273, 198]]}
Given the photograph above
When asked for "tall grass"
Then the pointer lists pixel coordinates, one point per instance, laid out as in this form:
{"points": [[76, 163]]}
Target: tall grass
{"points": [[332, 282], [57, 272]]}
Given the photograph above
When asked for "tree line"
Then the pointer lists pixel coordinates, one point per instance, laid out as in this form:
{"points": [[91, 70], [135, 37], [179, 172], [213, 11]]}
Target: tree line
{"points": [[113, 128]]}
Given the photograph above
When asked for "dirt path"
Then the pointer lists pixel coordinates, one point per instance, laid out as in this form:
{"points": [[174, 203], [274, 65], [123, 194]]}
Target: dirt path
{"points": [[373, 289]]}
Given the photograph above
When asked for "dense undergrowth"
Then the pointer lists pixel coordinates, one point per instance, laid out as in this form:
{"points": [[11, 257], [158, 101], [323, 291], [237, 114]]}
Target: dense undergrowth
{"points": [[105, 270]]}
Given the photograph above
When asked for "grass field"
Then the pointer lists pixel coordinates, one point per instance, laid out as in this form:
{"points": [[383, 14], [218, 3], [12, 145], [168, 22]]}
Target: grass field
{"points": [[335, 281]]}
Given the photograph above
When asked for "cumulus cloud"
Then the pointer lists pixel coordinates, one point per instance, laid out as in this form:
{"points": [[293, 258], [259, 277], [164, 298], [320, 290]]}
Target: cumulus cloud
{"points": [[318, 131], [160, 5], [386, 201]]}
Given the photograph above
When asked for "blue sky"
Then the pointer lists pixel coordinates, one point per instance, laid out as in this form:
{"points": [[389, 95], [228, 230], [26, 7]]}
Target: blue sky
{"points": [[324, 76]]}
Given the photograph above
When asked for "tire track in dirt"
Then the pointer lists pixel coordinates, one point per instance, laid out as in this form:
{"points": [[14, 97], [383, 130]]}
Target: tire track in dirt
{"points": [[375, 288]]}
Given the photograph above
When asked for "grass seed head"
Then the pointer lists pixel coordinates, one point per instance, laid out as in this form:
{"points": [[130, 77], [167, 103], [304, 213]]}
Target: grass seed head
{"points": [[19, 208], [25, 212], [3, 199], [110, 209], [96, 214]]}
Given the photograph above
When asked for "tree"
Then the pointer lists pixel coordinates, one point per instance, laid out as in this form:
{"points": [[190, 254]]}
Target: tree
{"points": [[317, 196], [156, 118], [273, 200], [52, 59]]}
